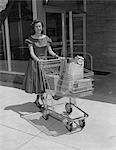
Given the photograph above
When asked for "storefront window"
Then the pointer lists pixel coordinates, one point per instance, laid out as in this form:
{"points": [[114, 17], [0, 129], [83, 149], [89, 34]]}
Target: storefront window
{"points": [[54, 26], [77, 25], [78, 33], [73, 40], [3, 55], [19, 21], [54, 30]]}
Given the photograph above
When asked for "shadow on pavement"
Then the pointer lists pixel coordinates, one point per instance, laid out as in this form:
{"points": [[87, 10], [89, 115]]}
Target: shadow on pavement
{"points": [[23, 109], [31, 113]]}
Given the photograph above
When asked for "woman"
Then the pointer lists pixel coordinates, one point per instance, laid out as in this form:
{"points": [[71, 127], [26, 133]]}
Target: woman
{"points": [[38, 44]]}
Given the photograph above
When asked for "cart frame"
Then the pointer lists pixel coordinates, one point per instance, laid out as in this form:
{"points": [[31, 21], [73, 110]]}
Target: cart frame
{"points": [[70, 123]]}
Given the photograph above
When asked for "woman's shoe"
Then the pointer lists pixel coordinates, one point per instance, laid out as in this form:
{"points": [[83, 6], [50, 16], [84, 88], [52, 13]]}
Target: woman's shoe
{"points": [[42, 97], [37, 104]]}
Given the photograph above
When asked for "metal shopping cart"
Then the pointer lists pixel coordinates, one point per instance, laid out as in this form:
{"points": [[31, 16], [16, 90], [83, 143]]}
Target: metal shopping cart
{"points": [[59, 99]]}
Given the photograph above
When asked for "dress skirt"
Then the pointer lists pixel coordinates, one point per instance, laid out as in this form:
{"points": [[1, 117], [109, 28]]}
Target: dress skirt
{"points": [[33, 79]]}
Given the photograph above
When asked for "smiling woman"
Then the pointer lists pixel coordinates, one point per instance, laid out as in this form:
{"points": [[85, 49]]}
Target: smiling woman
{"points": [[39, 45]]}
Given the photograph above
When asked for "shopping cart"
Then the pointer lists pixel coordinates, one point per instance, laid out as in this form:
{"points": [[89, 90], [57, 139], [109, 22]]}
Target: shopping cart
{"points": [[58, 104]]}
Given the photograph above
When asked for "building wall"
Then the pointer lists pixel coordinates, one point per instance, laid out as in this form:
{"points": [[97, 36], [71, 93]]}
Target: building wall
{"points": [[41, 11], [101, 34]]}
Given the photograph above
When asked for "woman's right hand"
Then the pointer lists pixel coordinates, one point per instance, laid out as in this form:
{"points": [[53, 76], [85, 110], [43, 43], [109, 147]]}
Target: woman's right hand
{"points": [[38, 60], [61, 58]]}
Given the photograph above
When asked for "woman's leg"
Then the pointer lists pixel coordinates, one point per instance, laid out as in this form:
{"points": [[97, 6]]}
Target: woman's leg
{"points": [[42, 96], [37, 101], [43, 99]]}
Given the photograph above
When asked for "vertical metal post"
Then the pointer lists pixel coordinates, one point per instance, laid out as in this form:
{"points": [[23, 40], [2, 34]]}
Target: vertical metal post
{"points": [[84, 28], [71, 32], [84, 33], [4, 42], [20, 31], [34, 8], [63, 35], [8, 44], [85, 5]]}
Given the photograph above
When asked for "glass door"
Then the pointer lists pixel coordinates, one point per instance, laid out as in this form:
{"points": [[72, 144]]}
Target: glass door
{"points": [[67, 31], [79, 34], [56, 30], [76, 39]]}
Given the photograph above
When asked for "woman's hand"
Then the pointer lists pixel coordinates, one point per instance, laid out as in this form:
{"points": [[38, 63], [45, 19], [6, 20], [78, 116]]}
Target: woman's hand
{"points": [[61, 58], [38, 60], [56, 56]]}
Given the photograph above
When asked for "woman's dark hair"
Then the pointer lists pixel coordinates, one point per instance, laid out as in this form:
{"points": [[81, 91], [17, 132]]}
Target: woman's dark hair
{"points": [[33, 25]]}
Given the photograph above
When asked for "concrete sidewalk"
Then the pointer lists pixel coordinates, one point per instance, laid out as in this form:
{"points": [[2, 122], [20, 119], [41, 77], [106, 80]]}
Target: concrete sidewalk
{"points": [[16, 133]]}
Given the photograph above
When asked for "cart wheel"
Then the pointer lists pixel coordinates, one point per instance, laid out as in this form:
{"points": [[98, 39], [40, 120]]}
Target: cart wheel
{"points": [[45, 115], [82, 123], [68, 108], [69, 126]]}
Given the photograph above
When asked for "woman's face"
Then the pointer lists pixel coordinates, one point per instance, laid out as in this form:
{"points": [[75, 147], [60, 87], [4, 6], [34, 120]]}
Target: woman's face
{"points": [[38, 27]]}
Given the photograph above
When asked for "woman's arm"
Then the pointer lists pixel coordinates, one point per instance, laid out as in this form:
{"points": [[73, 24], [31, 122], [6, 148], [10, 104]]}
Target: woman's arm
{"points": [[32, 53], [51, 51]]}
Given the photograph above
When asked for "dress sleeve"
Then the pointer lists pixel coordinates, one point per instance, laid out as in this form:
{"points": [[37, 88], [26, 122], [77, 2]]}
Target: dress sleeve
{"points": [[28, 41], [49, 40]]}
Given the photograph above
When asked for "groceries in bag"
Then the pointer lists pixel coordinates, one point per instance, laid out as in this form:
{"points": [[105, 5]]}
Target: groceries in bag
{"points": [[71, 71]]}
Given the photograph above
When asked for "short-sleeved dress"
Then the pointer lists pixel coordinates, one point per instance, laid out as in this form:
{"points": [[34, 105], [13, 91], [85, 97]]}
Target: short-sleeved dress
{"points": [[33, 79]]}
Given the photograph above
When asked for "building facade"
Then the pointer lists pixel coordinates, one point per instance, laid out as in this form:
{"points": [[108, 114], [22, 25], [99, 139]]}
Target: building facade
{"points": [[64, 22]]}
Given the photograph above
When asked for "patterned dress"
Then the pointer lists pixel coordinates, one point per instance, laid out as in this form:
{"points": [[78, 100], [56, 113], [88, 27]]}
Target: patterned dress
{"points": [[33, 80]]}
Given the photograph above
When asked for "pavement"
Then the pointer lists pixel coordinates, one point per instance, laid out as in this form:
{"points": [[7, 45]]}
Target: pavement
{"points": [[16, 133]]}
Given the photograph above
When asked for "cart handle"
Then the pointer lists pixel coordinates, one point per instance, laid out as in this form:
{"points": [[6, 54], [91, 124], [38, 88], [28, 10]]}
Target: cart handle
{"points": [[52, 60]]}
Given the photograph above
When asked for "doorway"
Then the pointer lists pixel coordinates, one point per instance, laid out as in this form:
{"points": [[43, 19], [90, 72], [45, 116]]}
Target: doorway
{"points": [[77, 33], [67, 31], [55, 29]]}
